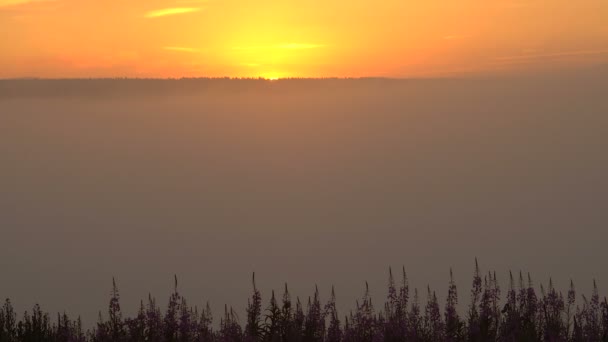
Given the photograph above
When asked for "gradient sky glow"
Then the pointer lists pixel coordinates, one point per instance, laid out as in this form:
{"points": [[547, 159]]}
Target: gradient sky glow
{"points": [[312, 38]]}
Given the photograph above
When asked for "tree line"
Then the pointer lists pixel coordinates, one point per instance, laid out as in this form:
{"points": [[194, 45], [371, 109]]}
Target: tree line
{"points": [[525, 313]]}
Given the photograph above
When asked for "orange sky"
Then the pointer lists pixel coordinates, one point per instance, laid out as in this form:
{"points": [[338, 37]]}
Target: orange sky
{"points": [[308, 38]]}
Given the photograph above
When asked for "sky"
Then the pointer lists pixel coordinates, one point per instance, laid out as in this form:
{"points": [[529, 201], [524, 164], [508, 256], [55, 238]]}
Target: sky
{"points": [[311, 38]]}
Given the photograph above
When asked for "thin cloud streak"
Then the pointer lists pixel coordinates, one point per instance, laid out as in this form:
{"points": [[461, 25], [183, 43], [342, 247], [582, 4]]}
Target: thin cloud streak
{"points": [[191, 1], [290, 46], [455, 37], [171, 11], [8, 3], [294, 46], [555, 54], [180, 49]]}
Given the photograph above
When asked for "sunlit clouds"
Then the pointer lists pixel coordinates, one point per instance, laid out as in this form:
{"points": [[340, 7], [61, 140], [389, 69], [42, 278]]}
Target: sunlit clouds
{"points": [[171, 11]]}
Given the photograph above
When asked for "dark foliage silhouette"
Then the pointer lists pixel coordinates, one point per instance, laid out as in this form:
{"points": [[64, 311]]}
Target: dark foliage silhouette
{"points": [[522, 315]]}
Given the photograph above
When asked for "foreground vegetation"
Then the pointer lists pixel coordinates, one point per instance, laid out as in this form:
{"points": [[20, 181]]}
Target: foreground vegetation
{"points": [[521, 315]]}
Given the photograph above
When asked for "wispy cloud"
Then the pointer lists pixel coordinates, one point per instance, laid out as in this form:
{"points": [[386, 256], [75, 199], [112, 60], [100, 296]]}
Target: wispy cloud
{"points": [[290, 46], [191, 1], [295, 46], [171, 11], [518, 4], [553, 55], [7, 3], [455, 37], [180, 49]]}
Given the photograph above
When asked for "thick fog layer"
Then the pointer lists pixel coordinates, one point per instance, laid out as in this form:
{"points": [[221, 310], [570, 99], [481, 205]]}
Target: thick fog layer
{"points": [[305, 182]]}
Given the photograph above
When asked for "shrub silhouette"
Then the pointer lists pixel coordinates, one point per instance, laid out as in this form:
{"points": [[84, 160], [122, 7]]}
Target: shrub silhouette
{"points": [[521, 315]]}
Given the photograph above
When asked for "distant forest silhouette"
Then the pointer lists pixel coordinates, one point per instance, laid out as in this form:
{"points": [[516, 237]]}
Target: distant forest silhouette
{"points": [[522, 315], [115, 87]]}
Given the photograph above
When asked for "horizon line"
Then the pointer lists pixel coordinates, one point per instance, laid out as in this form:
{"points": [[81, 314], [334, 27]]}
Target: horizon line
{"points": [[34, 78]]}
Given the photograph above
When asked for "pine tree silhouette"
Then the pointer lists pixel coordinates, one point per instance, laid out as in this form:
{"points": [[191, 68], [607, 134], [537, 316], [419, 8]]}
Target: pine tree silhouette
{"points": [[474, 318], [116, 329], [434, 328], [314, 324], [254, 330], [286, 324], [453, 325], [334, 332], [272, 321]]}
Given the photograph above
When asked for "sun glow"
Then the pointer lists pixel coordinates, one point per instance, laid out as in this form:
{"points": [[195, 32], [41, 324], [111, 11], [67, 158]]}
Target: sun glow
{"points": [[278, 39], [274, 61]]}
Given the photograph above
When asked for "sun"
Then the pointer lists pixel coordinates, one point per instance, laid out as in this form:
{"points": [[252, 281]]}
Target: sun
{"points": [[273, 76], [273, 60]]}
